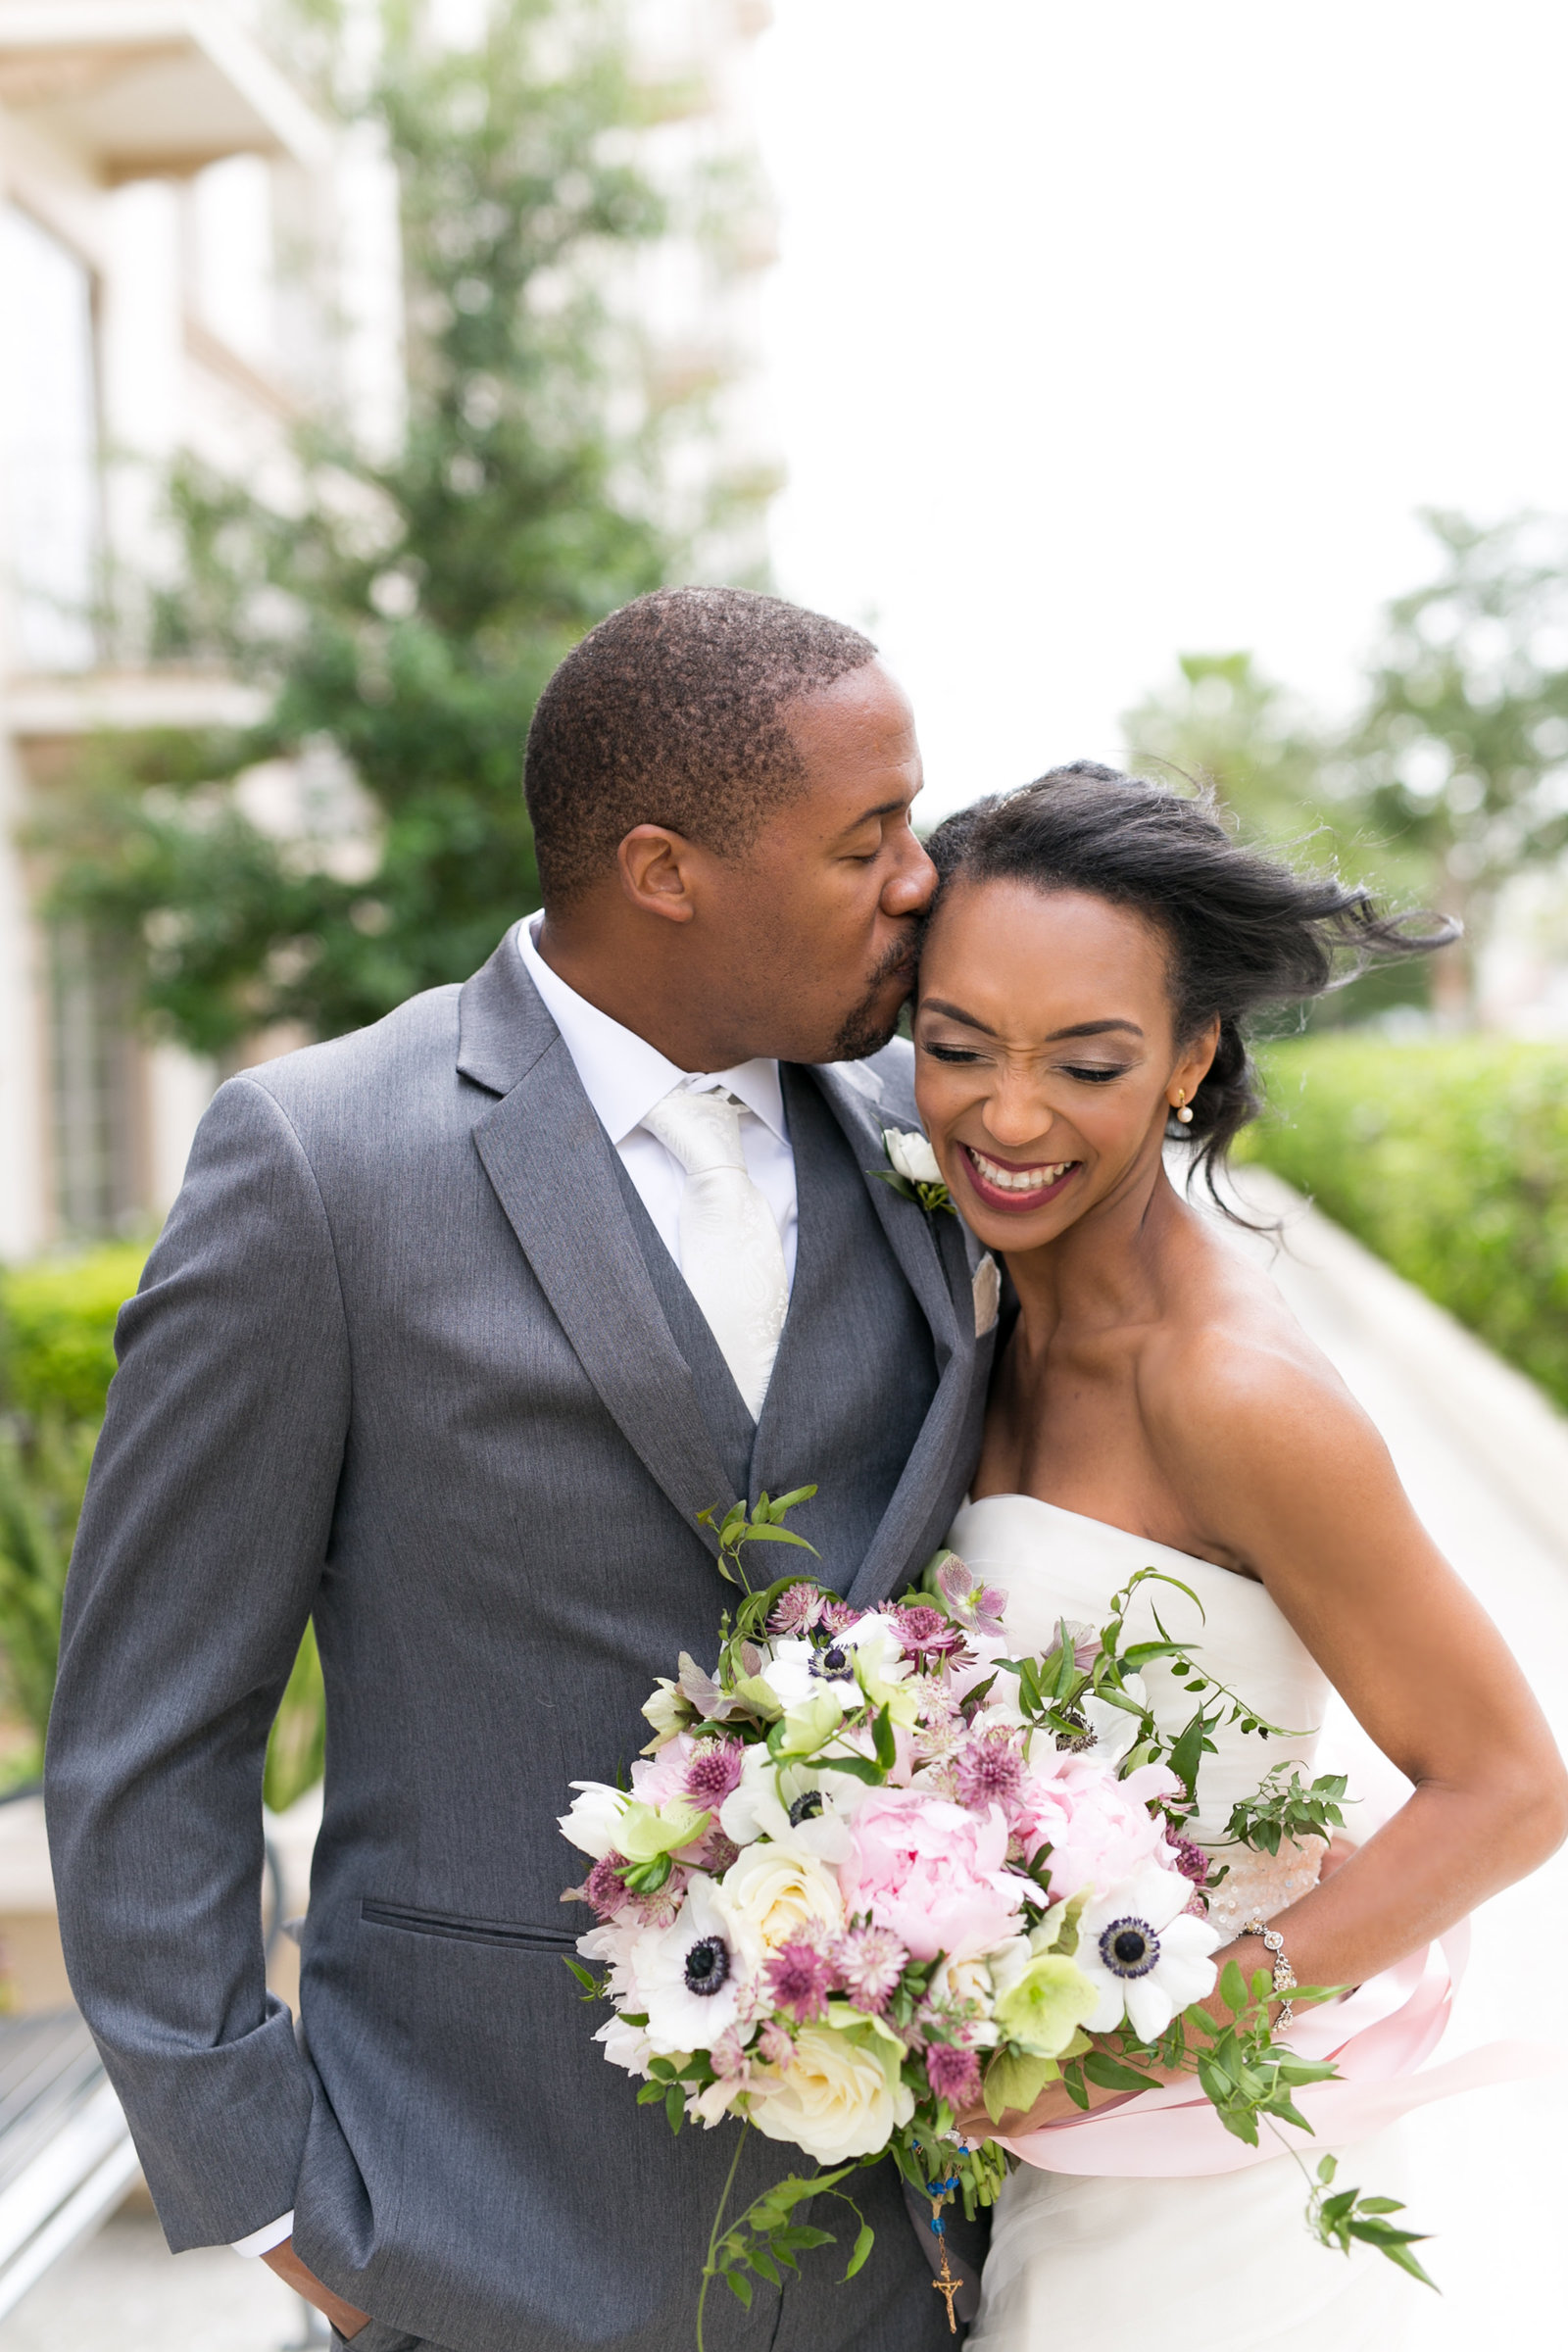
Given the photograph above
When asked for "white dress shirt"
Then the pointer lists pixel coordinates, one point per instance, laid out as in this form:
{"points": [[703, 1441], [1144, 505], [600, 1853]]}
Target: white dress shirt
{"points": [[624, 1076]]}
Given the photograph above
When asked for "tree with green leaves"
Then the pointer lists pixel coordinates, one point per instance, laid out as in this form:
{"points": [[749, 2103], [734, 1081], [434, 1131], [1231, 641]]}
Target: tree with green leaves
{"points": [[404, 613], [1223, 722], [1284, 780], [1463, 757]]}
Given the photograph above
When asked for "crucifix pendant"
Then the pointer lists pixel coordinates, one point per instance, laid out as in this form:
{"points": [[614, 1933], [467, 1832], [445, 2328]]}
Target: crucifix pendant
{"points": [[946, 2285]]}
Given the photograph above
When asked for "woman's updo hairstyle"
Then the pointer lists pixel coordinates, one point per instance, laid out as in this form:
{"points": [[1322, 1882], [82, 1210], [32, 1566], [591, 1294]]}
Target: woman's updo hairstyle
{"points": [[1246, 932]]}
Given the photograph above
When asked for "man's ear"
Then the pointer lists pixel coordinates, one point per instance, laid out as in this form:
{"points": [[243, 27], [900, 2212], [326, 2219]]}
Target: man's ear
{"points": [[656, 873]]}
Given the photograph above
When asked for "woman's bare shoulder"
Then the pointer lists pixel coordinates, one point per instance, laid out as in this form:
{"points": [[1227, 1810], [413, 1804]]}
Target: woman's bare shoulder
{"points": [[1230, 1372]]}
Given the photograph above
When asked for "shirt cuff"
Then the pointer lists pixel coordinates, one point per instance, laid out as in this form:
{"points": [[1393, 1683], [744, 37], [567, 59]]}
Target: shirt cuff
{"points": [[261, 2241]]}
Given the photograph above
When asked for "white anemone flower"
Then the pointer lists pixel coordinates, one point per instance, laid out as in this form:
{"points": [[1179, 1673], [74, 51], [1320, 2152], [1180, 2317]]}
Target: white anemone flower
{"points": [[794, 1805], [1110, 1733], [690, 1976], [1144, 1952], [799, 1671], [625, 2045]]}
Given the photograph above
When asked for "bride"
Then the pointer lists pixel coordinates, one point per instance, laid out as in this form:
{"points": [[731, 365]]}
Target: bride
{"points": [[1096, 948]]}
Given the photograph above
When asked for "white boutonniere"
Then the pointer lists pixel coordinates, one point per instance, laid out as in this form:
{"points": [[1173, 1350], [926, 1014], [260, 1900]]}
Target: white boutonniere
{"points": [[913, 1172]]}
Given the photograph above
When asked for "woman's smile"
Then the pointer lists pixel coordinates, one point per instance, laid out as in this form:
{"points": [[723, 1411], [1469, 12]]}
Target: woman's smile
{"points": [[1015, 1186]]}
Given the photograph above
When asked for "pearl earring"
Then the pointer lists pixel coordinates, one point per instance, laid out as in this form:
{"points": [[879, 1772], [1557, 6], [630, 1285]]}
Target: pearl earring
{"points": [[1184, 1110]]}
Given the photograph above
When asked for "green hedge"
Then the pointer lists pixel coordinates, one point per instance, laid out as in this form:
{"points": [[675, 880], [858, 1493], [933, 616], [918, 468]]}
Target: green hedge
{"points": [[58, 1328], [57, 1358], [1450, 1160]]}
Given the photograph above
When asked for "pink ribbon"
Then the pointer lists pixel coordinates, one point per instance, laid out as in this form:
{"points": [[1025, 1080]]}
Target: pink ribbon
{"points": [[1378, 2038]]}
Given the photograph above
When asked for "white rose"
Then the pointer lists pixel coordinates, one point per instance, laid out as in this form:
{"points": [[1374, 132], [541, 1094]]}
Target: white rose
{"points": [[775, 1889], [841, 2096], [911, 1156]]}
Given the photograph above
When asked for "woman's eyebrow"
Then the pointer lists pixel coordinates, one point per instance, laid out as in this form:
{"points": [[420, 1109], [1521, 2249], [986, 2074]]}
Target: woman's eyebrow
{"points": [[956, 1012], [1093, 1029]]}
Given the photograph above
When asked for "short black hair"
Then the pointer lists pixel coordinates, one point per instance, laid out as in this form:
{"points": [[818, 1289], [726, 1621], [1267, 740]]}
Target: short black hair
{"points": [[1246, 932], [669, 712]]}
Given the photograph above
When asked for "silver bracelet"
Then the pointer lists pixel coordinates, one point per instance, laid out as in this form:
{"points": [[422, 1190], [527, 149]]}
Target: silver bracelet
{"points": [[1283, 1972]]}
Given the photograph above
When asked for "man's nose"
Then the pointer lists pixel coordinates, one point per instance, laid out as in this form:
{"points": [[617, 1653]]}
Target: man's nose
{"points": [[911, 890]]}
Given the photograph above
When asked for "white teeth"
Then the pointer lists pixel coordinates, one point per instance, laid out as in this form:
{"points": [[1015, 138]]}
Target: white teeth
{"points": [[1018, 1180]]}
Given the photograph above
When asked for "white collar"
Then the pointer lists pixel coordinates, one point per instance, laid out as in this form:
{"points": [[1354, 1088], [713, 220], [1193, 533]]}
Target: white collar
{"points": [[622, 1075]]}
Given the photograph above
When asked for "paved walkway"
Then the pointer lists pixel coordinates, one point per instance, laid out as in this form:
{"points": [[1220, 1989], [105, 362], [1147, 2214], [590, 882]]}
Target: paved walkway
{"points": [[1486, 1463]]}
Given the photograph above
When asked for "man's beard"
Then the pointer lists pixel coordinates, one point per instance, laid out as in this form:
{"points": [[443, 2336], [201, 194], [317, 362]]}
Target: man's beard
{"points": [[867, 1029]]}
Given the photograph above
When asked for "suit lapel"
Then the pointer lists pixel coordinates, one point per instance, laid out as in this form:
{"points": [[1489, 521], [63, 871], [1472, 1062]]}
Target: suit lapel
{"points": [[906, 1225], [933, 1253], [553, 1169]]}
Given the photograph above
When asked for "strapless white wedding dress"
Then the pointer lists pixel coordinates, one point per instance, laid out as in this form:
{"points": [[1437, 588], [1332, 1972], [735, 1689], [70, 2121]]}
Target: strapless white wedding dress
{"points": [[1094, 2245]]}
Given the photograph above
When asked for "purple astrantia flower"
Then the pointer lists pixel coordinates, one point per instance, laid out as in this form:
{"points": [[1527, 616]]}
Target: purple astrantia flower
{"points": [[796, 1611], [868, 1963], [800, 1980], [606, 1888], [717, 1852], [926, 1633], [713, 1772], [972, 1602], [837, 1616], [953, 2073], [1187, 1857], [988, 1770]]}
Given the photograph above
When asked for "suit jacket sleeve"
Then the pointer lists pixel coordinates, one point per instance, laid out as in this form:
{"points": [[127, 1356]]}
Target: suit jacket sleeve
{"points": [[201, 1547]]}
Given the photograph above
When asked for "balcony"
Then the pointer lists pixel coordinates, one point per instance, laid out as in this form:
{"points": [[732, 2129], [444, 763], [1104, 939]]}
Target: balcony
{"points": [[150, 88]]}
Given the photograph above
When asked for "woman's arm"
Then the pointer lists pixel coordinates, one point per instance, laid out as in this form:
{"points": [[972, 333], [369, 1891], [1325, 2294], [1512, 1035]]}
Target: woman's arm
{"points": [[1273, 1455], [1272, 1458]]}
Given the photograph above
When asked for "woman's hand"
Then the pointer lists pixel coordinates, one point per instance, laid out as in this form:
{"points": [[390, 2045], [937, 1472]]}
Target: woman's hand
{"points": [[1054, 2106]]}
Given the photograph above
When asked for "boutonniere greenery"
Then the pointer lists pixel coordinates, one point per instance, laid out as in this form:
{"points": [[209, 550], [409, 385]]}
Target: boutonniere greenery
{"points": [[913, 1172]]}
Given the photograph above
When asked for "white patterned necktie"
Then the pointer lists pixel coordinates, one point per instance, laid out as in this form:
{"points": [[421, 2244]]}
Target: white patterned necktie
{"points": [[730, 1250]]}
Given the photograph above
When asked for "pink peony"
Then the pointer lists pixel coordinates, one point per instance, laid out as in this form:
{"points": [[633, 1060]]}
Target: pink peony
{"points": [[1100, 1829], [932, 1872]]}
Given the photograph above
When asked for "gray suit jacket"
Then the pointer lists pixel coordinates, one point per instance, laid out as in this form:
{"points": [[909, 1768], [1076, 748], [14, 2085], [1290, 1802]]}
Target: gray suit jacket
{"points": [[410, 1357]]}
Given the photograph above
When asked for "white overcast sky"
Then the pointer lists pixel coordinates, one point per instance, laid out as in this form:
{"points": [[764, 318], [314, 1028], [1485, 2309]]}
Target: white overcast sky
{"points": [[1124, 327]]}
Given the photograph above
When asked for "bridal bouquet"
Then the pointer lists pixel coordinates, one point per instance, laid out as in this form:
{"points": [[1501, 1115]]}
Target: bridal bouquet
{"points": [[874, 1877]]}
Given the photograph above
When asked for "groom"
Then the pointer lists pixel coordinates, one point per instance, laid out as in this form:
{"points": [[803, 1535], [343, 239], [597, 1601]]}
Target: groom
{"points": [[457, 1325]]}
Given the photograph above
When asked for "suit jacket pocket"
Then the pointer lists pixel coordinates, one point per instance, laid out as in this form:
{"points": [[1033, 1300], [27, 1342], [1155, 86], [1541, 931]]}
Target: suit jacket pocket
{"points": [[409, 1920]]}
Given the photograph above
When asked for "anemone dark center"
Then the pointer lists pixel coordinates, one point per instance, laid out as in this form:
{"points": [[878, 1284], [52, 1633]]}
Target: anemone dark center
{"points": [[806, 1808], [708, 1966], [833, 1665], [1128, 1947]]}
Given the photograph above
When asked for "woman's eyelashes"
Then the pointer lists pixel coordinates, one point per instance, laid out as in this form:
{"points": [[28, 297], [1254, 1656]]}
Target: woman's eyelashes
{"points": [[1090, 1073]]}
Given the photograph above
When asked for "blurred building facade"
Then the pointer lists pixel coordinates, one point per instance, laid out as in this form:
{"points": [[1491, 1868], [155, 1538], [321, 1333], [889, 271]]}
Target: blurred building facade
{"points": [[194, 255]]}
